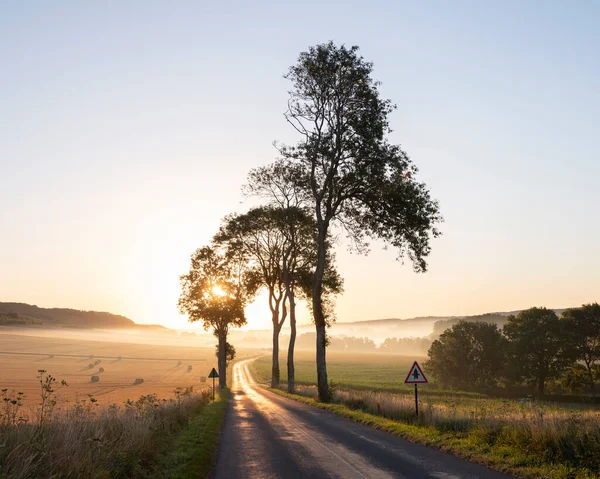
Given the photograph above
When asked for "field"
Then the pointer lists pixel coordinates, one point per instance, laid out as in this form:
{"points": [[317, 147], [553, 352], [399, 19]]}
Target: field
{"points": [[357, 371], [76, 361], [109, 428], [368, 370]]}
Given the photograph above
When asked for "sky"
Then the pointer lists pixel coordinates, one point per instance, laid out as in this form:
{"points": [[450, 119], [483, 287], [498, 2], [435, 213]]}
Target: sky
{"points": [[127, 130]]}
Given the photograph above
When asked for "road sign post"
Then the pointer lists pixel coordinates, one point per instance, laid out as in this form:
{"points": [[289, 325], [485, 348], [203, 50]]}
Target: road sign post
{"points": [[416, 402], [213, 374], [415, 376]]}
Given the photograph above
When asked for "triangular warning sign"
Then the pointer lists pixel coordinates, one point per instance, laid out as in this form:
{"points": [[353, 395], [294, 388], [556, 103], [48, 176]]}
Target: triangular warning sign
{"points": [[213, 373], [415, 375]]}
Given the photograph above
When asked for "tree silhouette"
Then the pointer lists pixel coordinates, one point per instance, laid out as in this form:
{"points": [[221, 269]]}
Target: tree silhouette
{"points": [[468, 355], [257, 235], [280, 184], [538, 350], [583, 332], [215, 291], [353, 177]]}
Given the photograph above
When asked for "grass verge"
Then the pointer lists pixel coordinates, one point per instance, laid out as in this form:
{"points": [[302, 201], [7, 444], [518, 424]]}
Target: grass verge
{"points": [[147, 438], [475, 444], [193, 454]]}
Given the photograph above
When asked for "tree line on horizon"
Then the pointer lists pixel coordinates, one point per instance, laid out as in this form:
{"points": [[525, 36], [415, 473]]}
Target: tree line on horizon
{"points": [[532, 347], [342, 177]]}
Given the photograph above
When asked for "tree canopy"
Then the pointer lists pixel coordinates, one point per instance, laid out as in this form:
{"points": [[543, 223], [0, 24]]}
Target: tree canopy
{"points": [[351, 175], [215, 291], [538, 346], [468, 355], [583, 334]]}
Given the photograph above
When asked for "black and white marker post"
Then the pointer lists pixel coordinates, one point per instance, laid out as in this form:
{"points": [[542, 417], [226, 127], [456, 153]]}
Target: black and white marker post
{"points": [[415, 376]]}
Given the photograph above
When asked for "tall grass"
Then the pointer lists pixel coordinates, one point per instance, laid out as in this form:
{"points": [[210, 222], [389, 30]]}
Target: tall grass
{"points": [[86, 439]]}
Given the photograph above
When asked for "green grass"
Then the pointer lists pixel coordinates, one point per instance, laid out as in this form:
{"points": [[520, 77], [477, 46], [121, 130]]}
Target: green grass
{"points": [[193, 454], [374, 372]]}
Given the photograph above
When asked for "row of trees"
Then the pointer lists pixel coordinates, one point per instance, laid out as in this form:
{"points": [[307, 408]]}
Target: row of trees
{"points": [[533, 347], [342, 175], [409, 346]]}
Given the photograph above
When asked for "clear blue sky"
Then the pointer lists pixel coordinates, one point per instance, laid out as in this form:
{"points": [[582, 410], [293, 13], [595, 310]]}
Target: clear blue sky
{"points": [[127, 129]]}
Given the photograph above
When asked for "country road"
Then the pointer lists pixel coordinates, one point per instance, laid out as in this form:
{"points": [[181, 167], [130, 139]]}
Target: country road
{"points": [[269, 436]]}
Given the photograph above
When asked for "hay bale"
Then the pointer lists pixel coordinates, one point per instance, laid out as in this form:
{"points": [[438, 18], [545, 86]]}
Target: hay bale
{"points": [[178, 363], [101, 370], [202, 379], [97, 361], [90, 366], [138, 381], [190, 367], [95, 379]]}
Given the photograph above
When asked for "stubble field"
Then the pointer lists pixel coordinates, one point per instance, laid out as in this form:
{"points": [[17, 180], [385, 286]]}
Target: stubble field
{"points": [[162, 368]]}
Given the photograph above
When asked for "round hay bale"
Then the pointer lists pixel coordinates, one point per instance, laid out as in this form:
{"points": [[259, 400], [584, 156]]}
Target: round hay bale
{"points": [[90, 366], [202, 379], [190, 367], [101, 370], [138, 381], [95, 379]]}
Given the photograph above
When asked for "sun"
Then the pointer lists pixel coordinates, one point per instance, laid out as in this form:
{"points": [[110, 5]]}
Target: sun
{"points": [[218, 291]]}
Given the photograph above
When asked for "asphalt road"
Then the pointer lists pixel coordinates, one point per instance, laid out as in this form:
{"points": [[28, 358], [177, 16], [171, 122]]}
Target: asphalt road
{"points": [[269, 436]]}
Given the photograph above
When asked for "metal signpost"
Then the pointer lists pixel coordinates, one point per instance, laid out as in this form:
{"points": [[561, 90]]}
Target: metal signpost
{"points": [[415, 376], [213, 374]]}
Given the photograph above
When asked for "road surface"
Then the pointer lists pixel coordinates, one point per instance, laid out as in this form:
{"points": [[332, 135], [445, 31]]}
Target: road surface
{"points": [[269, 436]]}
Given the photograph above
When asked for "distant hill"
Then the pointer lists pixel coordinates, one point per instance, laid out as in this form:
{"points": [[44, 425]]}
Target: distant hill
{"points": [[14, 314], [424, 326]]}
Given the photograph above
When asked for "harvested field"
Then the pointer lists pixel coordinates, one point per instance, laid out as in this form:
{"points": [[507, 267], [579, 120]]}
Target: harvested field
{"points": [[122, 363]]}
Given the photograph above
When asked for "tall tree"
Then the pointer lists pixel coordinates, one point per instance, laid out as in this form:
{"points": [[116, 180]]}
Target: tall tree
{"points": [[215, 291], [257, 235], [281, 185], [583, 330], [538, 349], [468, 355], [354, 177]]}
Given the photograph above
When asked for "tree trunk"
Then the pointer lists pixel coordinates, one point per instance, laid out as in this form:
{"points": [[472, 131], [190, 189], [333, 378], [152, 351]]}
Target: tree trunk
{"points": [[541, 386], [590, 372], [275, 368], [290, 357], [222, 360], [322, 383]]}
